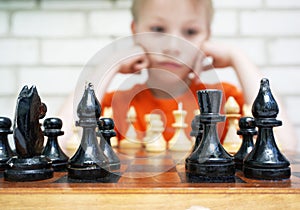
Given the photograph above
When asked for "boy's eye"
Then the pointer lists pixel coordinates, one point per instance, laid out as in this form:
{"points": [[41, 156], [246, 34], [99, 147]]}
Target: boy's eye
{"points": [[157, 29], [190, 32]]}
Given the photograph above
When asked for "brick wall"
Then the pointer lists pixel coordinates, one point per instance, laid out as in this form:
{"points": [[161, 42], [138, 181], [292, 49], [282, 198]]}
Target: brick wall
{"points": [[47, 43]]}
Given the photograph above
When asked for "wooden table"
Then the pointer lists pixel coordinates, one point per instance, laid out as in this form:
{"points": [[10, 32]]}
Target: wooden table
{"points": [[152, 182]]}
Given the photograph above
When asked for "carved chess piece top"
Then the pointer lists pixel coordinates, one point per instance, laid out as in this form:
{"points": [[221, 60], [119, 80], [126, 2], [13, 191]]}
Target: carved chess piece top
{"points": [[154, 140], [29, 138], [180, 141], [89, 161], [131, 140], [29, 164]]}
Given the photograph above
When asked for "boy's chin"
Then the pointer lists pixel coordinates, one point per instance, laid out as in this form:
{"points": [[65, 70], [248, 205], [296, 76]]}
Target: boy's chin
{"points": [[169, 75], [169, 81]]}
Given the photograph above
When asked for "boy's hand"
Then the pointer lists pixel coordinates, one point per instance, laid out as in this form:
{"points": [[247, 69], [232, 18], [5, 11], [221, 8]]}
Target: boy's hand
{"points": [[223, 55], [134, 63]]}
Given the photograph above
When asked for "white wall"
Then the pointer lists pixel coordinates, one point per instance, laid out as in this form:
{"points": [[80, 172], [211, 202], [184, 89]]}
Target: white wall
{"points": [[47, 43]]}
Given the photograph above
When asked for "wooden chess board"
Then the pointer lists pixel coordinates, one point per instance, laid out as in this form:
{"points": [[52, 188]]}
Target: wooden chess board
{"points": [[152, 181]]}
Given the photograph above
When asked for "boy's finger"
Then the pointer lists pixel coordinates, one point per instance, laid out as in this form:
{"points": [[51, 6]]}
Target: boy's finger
{"points": [[207, 63], [141, 63]]}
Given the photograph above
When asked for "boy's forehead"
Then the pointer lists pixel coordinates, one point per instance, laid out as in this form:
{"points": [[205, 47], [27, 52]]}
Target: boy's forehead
{"points": [[165, 7], [171, 4]]}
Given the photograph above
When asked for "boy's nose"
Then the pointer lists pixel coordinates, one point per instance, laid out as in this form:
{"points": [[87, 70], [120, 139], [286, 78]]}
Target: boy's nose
{"points": [[171, 46]]}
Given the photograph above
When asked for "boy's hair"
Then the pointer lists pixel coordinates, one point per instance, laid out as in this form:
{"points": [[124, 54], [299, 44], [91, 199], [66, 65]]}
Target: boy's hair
{"points": [[137, 4]]}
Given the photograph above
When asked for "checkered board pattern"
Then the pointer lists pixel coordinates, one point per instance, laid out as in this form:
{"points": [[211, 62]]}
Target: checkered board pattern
{"points": [[168, 167], [140, 168]]}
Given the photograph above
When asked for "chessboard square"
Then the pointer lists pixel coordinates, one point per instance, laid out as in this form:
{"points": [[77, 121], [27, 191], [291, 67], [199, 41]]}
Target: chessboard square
{"points": [[125, 161], [153, 161], [179, 155], [295, 161], [180, 168], [57, 176], [137, 176], [295, 168], [125, 157], [123, 168], [149, 177], [151, 168], [296, 174]]}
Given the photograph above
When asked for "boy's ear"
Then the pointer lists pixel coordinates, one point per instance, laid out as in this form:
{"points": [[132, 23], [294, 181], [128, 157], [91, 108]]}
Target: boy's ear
{"points": [[133, 27]]}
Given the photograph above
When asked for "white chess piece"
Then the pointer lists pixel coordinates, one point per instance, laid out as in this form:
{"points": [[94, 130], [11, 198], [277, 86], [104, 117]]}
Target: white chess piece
{"points": [[232, 141], [73, 143], [154, 140], [180, 141], [108, 113], [247, 112], [131, 141]]}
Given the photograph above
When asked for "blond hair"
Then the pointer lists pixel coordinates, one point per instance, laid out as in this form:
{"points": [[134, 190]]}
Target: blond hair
{"points": [[138, 4]]}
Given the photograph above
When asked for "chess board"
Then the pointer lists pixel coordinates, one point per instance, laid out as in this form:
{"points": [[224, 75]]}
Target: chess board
{"points": [[152, 181]]}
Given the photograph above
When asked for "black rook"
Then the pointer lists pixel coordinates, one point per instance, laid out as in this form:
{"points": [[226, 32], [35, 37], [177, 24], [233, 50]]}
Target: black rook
{"points": [[210, 162]]}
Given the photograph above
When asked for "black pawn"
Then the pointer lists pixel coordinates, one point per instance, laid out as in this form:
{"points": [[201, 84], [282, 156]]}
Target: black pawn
{"points": [[266, 161], [197, 132], [89, 161], [106, 131], [247, 131], [5, 150], [52, 150], [210, 162]]}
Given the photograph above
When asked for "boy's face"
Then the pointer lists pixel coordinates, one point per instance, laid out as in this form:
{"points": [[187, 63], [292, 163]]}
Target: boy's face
{"points": [[185, 19]]}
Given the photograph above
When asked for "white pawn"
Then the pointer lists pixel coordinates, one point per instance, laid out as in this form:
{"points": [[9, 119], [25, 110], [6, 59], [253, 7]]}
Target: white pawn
{"points": [[74, 142], [247, 112], [154, 139], [180, 142], [130, 141], [108, 113], [232, 141]]}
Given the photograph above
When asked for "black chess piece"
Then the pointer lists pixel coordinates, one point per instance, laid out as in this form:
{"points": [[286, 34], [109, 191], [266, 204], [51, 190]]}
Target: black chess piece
{"points": [[197, 132], [106, 131], [52, 150], [210, 162], [247, 131], [89, 161], [29, 164], [265, 161], [5, 151]]}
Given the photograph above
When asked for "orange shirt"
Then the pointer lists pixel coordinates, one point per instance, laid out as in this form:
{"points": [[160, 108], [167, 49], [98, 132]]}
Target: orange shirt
{"points": [[141, 98]]}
